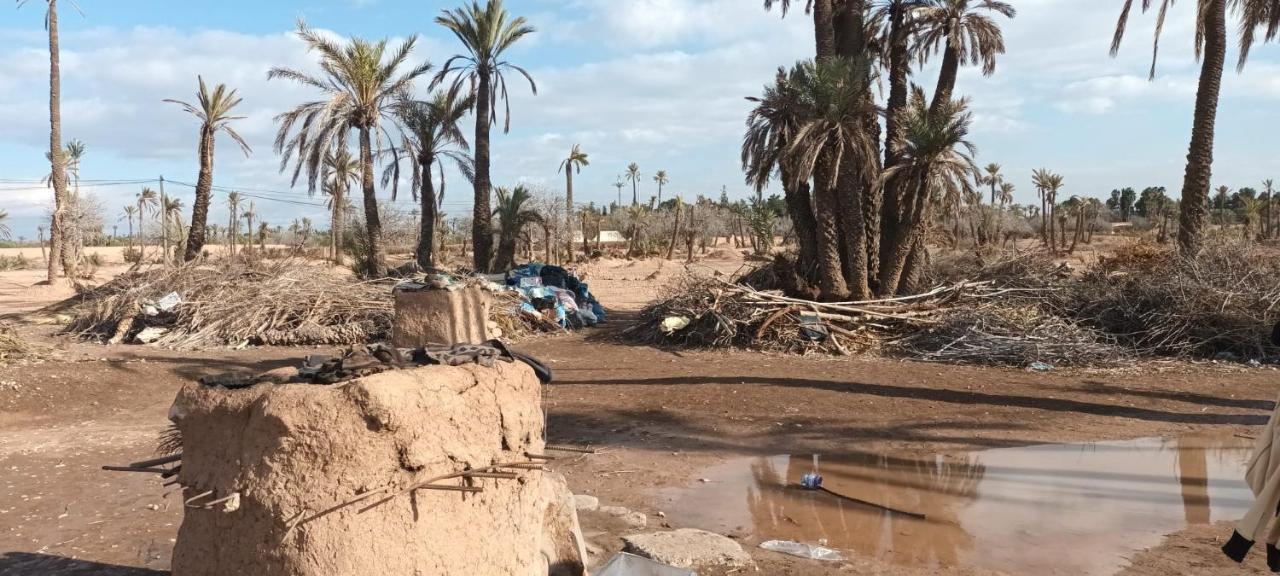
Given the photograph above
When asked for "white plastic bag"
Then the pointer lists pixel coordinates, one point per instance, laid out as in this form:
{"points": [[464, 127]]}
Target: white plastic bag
{"points": [[802, 550]]}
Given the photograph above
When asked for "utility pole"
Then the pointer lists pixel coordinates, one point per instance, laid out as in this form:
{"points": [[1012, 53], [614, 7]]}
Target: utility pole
{"points": [[164, 227]]}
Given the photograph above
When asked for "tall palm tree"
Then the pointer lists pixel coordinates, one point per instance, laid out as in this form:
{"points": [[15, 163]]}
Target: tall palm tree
{"points": [[1268, 188], [361, 84], [171, 216], [147, 201], [966, 33], [660, 177], [249, 215], [572, 163], [72, 243], [830, 142], [213, 109], [233, 225], [1041, 177], [430, 138], [342, 171], [633, 174], [1211, 48], [129, 211], [771, 127], [1220, 207], [486, 33], [513, 215], [937, 162], [896, 23], [60, 260], [992, 178], [619, 185]]}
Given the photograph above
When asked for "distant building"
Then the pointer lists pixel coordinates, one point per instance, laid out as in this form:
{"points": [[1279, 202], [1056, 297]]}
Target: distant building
{"points": [[606, 237]]}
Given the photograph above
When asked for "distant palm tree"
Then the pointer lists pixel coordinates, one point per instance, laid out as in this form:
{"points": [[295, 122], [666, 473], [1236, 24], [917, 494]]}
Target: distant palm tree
{"points": [[964, 35], [148, 202], [214, 112], [1268, 188], [487, 33], [993, 178], [1006, 193], [129, 211], [513, 215], [233, 225], [1250, 209], [633, 174], [361, 83], [1211, 43], [660, 177], [263, 229], [937, 161], [1041, 178], [4, 225], [431, 137], [572, 163], [58, 232], [172, 216], [249, 215], [342, 172], [1221, 205], [619, 185]]}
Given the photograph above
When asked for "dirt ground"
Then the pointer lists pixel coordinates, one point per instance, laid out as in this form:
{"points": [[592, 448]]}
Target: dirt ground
{"points": [[659, 417]]}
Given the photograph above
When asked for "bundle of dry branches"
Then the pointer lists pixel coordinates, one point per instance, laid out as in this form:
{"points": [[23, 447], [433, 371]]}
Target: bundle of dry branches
{"points": [[12, 346], [287, 302]]}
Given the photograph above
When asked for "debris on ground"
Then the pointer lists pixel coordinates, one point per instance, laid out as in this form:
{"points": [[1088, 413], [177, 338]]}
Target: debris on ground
{"points": [[624, 564], [12, 346], [801, 550], [688, 548]]}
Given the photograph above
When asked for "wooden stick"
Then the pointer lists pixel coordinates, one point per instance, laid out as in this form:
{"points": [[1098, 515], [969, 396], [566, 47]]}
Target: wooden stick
{"points": [[135, 469], [524, 466], [915, 515], [533, 456], [450, 488], [220, 500], [169, 483], [503, 475], [157, 461], [197, 497], [572, 449]]}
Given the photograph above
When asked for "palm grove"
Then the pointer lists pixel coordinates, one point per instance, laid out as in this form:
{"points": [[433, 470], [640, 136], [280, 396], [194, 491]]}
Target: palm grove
{"points": [[862, 181]]}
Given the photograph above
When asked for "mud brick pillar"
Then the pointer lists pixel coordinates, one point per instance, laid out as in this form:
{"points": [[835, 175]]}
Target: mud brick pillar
{"points": [[440, 317]]}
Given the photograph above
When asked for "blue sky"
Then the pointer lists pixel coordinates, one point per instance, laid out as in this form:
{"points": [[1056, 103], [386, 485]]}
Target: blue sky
{"points": [[657, 82]]}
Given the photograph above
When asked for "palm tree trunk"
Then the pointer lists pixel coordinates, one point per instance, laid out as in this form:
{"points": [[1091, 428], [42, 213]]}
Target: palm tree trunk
{"points": [[337, 219], [57, 261], [427, 226], [233, 230], [481, 216], [824, 32], [904, 242], [853, 232], [204, 193], [40, 238], [376, 266], [831, 281], [1195, 183], [946, 78], [675, 231], [635, 193], [568, 213]]}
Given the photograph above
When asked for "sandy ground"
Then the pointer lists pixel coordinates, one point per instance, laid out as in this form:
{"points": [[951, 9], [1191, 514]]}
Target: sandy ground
{"points": [[661, 417]]}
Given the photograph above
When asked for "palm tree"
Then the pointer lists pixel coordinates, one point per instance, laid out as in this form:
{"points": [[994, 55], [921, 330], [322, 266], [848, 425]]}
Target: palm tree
{"points": [[513, 215], [937, 162], [263, 229], [129, 211], [361, 83], [830, 142], [572, 163], [58, 232], [171, 215], [486, 33], [5, 232], [1006, 193], [147, 201], [214, 113], [1221, 208], [1250, 209], [1041, 177], [342, 171], [1268, 187], [660, 177], [619, 185], [993, 178], [431, 136], [72, 243], [249, 215], [233, 225], [1211, 44], [964, 35], [633, 174]]}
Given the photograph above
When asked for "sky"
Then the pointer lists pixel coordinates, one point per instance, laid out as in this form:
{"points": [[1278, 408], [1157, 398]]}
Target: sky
{"points": [[658, 82]]}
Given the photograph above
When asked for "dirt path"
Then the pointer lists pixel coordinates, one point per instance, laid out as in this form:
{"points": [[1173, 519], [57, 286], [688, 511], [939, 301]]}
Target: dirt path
{"points": [[661, 417]]}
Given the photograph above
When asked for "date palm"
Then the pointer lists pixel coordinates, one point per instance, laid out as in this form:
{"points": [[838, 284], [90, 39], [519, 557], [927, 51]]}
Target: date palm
{"points": [[572, 163], [660, 177], [1268, 189], [937, 162], [360, 84], [830, 141], [487, 33], [148, 202], [5, 232], [129, 211], [514, 214], [342, 171], [430, 138], [249, 215], [1211, 49], [966, 33], [171, 215], [60, 260], [993, 178], [233, 225], [213, 109], [633, 174]]}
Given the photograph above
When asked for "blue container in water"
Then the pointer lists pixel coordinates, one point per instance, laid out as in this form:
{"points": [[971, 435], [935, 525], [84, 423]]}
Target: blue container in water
{"points": [[811, 481]]}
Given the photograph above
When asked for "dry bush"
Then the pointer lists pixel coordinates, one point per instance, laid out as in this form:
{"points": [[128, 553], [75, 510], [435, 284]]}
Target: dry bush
{"points": [[12, 346]]}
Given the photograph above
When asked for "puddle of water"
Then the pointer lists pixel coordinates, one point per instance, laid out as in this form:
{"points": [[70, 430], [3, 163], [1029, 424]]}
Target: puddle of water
{"points": [[1050, 509]]}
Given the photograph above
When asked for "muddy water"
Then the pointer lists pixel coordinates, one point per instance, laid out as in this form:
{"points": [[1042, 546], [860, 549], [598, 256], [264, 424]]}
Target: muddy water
{"points": [[1051, 509]]}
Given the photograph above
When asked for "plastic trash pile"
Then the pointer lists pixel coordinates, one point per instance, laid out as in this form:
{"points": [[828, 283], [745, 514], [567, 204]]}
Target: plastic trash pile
{"points": [[555, 295]]}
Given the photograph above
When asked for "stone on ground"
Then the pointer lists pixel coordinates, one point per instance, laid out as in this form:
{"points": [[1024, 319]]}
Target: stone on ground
{"points": [[688, 548], [585, 503]]}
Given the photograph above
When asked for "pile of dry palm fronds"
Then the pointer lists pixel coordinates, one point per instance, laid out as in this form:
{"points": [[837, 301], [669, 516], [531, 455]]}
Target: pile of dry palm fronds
{"points": [[288, 302], [12, 346]]}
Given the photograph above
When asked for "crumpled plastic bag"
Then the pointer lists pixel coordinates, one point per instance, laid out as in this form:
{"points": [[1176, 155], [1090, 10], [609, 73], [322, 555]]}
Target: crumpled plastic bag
{"points": [[671, 324], [802, 550]]}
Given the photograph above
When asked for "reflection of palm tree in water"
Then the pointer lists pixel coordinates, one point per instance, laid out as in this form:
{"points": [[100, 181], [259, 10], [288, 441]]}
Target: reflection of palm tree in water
{"points": [[1193, 477], [939, 488]]}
